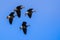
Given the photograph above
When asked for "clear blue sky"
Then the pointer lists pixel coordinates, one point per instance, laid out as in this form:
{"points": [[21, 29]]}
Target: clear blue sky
{"points": [[45, 23]]}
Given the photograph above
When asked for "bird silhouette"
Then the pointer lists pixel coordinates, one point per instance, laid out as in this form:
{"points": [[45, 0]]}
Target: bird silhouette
{"points": [[24, 27], [10, 17], [18, 10], [29, 12]]}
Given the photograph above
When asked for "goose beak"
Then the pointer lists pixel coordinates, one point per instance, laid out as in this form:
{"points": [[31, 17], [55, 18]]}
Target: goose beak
{"points": [[26, 13], [21, 27], [34, 10], [8, 17], [22, 7]]}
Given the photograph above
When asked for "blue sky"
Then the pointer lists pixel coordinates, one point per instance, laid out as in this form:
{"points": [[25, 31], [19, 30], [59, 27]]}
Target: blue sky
{"points": [[44, 24]]}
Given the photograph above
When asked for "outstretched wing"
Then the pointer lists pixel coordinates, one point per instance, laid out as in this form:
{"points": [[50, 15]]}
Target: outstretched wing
{"points": [[11, 14], [10, 20], [18, 12], [25, 30], [29, 14]]}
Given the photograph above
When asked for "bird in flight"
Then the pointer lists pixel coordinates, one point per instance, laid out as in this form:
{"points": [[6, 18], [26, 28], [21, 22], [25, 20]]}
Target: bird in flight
{"points": [[29, 12], [24, 27], [10, 17], [18, 10]]}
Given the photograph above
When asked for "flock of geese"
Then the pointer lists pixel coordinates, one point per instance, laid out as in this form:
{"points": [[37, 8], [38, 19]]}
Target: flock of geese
{"points": [[18, 14]]}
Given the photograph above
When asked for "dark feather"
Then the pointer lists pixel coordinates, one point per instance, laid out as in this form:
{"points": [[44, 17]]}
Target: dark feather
{"points": [[25, 30], [24, 24], [24, 27], [30, 15], [10, 20], [30, 12], [11, 14], [11, 17], [18, 11]]}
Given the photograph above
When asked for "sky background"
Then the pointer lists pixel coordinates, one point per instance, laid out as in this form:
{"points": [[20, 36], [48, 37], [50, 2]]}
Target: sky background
{"points": [[44, 24]]}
